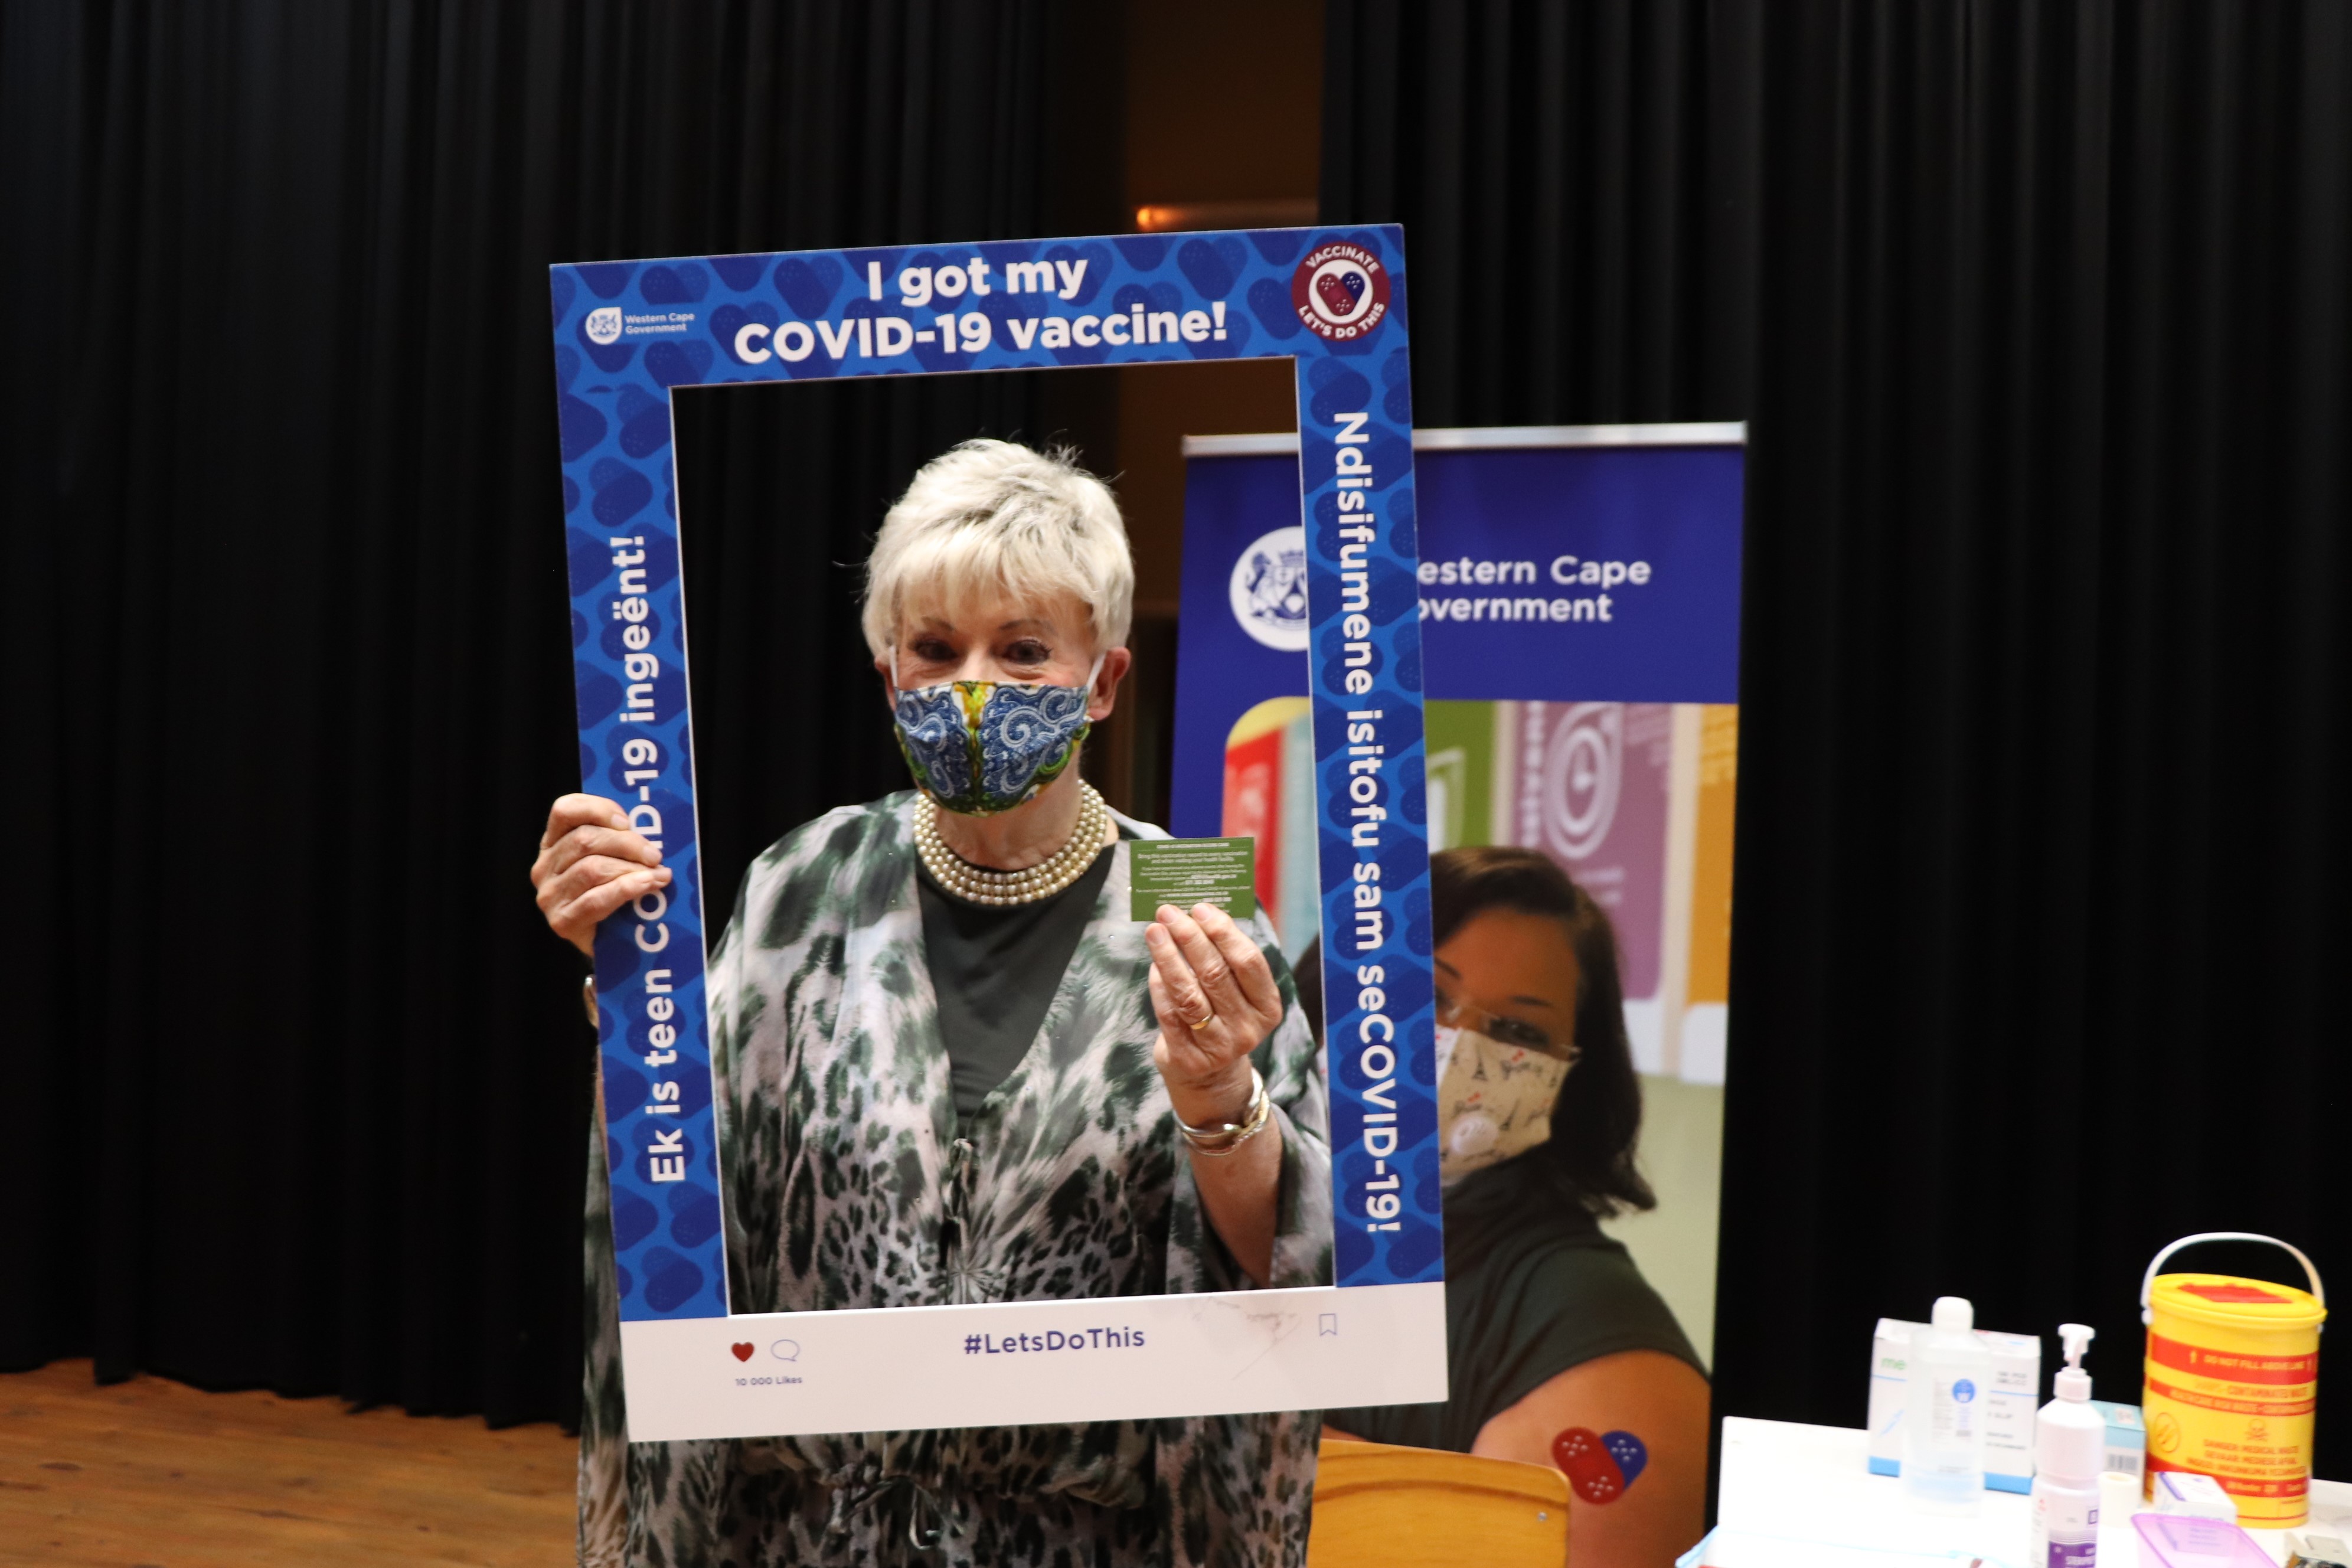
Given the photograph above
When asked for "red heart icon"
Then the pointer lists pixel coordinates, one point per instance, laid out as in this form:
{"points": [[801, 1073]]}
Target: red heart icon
{"points": [[742, 1352], [1581, 1454]]}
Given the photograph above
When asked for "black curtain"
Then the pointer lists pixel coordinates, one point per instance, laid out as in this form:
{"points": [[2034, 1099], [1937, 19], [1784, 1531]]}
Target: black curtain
{"points": [[301, 1082], [2038, 310]]}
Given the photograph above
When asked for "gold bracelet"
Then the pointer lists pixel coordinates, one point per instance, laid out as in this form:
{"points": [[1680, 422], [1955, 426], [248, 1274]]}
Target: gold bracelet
{"points": [[1227, 1136]]}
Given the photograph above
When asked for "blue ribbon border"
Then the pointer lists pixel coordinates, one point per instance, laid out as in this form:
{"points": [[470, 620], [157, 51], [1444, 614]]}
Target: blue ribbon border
{"points": [[627, 331]]}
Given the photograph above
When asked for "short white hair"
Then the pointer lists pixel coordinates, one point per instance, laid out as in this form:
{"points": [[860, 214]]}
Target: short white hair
{"points": [[996, 517]]}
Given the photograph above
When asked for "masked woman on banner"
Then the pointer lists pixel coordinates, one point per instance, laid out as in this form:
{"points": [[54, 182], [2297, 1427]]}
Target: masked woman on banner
{"points": [[1558, 1352], [950, 1068]]}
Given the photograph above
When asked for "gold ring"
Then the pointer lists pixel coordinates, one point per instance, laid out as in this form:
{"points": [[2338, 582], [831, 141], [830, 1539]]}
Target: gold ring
{"points": [[1203, 1024]]}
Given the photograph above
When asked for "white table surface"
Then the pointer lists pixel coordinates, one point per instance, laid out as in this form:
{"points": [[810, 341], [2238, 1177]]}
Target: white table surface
{"points": [[1792, 1484]]}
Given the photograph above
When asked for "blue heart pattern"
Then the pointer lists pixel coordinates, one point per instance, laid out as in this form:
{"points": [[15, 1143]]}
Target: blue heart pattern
{"points": [[1631, 1456], [820, 315]]}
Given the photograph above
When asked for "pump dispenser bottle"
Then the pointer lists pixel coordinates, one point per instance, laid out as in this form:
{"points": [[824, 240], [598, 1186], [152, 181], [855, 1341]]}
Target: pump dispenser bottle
{"points": [[1949, 1374], [2070, 1449]]}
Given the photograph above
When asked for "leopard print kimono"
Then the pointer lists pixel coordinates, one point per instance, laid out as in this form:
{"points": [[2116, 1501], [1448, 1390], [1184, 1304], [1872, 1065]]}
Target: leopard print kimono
{"points": [[852, 1182]]}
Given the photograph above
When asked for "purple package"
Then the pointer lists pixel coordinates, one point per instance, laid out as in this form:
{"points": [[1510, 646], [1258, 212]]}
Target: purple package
{"points": [[2178, 1540]]}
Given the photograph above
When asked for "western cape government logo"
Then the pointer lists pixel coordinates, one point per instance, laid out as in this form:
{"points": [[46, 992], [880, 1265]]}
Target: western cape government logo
{"points": [[604, 326], [1269, 589], [1341, 291]]}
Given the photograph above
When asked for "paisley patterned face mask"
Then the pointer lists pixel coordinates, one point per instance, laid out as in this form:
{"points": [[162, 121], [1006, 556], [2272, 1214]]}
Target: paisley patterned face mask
{"points": [[980, 747], [1493, 1100]]}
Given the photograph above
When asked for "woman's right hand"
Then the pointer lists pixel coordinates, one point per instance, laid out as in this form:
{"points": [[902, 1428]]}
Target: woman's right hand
{"points": [[590, 863]]}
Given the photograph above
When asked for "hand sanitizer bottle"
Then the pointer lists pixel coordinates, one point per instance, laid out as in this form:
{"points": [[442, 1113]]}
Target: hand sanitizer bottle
{"points": [[1943, 1412], [2070, 1447]]}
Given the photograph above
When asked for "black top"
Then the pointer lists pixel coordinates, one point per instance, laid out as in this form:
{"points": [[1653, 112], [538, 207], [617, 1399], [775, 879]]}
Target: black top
{"points": [[995, 969], [1532, 1288]]}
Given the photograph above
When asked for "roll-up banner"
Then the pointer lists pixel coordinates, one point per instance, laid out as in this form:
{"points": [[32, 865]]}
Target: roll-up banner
{"points": [[1580, 620]]}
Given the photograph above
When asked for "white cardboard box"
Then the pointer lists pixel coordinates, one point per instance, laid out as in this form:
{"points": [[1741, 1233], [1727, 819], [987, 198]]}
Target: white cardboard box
{"points": [[2126, 1437], [2009, 1403]]}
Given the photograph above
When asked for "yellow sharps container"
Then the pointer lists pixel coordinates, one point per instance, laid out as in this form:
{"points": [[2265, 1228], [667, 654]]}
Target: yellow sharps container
{"points": [[2232, 1379]]}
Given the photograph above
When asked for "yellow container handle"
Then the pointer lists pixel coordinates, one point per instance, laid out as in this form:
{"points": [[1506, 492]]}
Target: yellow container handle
{"points": [[2147, 1284]]}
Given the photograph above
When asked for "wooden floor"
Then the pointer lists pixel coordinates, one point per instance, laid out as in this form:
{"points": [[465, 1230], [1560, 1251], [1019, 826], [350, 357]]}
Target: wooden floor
{"points": [[153, 1473]]}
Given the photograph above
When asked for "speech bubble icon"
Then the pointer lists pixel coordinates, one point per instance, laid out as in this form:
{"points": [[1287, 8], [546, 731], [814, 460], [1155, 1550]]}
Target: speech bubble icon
{"points": [[785, 1350]]}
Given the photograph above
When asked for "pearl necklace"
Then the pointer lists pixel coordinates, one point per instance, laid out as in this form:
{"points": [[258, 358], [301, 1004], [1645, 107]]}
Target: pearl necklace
{"points": [[980, 885]]}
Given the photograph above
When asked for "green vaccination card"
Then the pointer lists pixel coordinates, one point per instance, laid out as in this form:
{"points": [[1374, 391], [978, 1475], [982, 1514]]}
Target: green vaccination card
{"points": [[1187, 871]]}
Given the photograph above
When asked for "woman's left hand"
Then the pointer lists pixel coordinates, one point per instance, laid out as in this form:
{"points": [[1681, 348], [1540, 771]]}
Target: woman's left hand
{"points": [[1216, 1000]]}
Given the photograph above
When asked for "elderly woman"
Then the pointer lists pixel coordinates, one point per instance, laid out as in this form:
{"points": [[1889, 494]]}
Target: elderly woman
{"points": [[951, 1068]]}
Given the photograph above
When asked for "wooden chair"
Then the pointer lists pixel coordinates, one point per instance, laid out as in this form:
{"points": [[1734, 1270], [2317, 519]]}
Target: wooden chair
{"points": [[1377, 1505]]}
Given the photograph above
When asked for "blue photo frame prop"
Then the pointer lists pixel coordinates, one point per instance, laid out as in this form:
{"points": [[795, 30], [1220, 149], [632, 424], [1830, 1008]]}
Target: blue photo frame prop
{"points": [[626, 335]]}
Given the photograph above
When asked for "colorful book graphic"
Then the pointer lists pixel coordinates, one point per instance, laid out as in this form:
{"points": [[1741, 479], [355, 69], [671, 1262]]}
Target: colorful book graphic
{"points": [[1634, 799]]}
